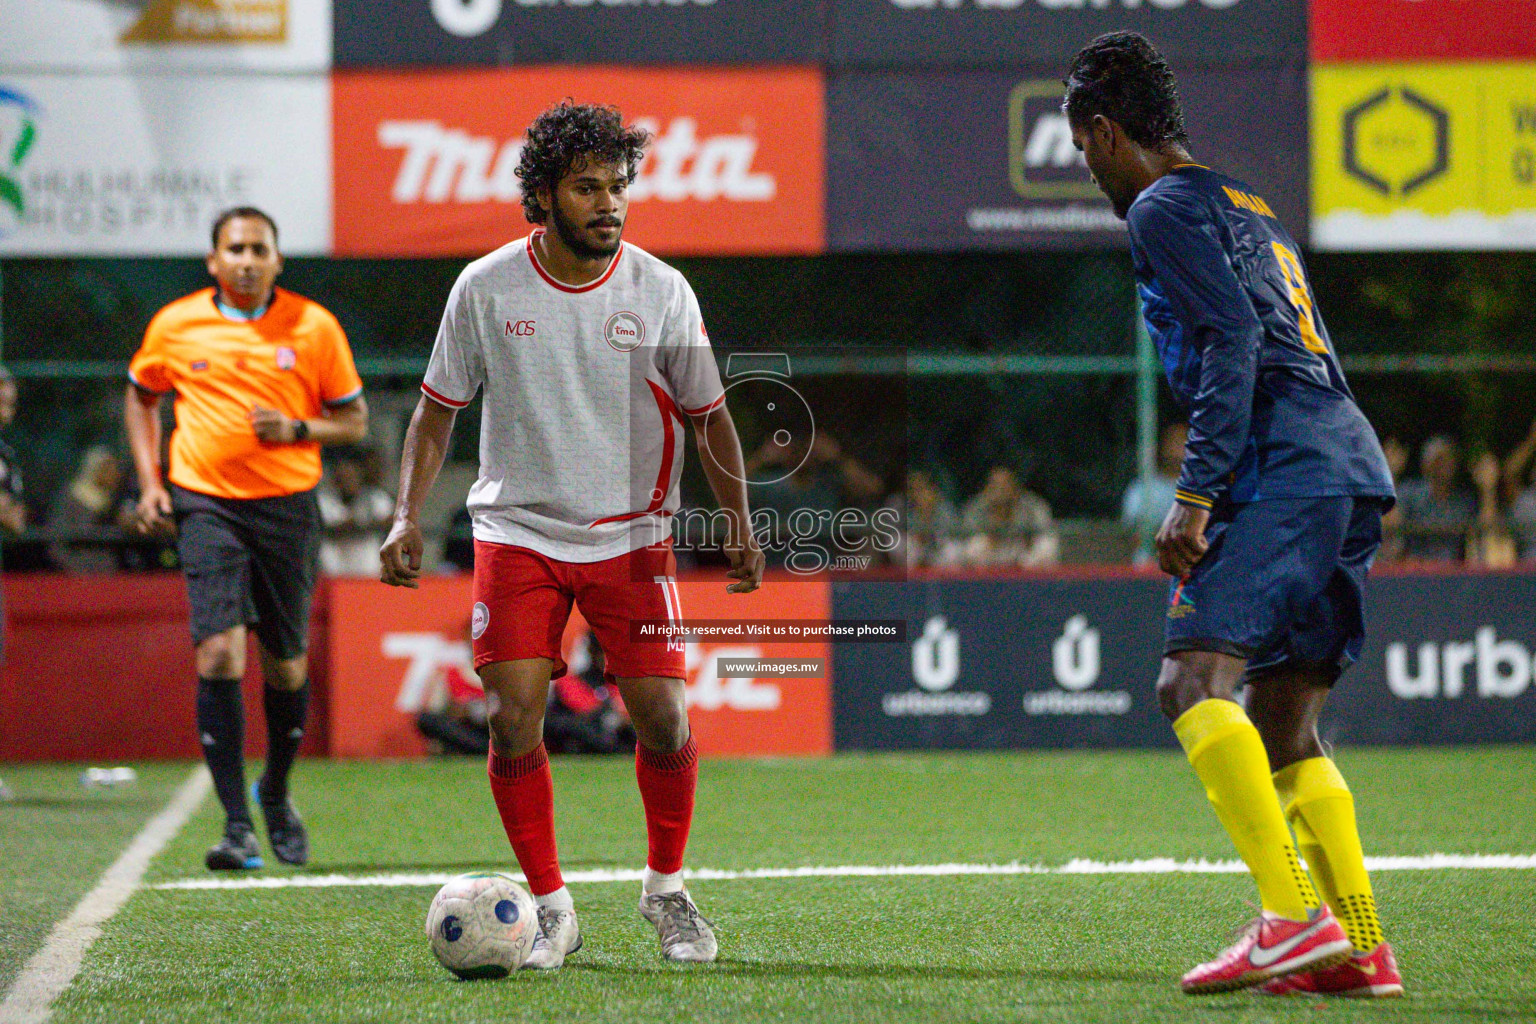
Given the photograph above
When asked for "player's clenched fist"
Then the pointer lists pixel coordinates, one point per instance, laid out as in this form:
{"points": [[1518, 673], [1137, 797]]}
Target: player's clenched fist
{"points": [[1181, 542], [400, 557]]}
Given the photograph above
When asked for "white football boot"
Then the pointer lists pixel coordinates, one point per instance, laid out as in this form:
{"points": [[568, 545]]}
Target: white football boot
{"points": [[558, 938], [686, 937]]}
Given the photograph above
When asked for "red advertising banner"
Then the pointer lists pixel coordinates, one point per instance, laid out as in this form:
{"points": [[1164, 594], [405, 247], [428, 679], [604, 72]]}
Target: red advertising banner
{"points": [[1418, 30], [424, 161], [390, 648], [100, 669]]}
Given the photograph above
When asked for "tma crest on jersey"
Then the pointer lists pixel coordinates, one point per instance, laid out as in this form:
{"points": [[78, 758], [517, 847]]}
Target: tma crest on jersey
{"points": [[624, 331]]}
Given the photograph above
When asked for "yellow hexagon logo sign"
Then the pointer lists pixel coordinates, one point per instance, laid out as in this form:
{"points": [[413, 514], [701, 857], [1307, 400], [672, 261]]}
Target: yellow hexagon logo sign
{"points": [[1396, 141]]}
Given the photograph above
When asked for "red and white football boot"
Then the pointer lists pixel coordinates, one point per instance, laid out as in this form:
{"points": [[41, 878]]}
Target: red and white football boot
{"points": [[1371, 975], [1272, 947]]}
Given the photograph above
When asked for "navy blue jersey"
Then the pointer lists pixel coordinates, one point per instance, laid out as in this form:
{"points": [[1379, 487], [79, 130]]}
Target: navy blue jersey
{"points": [[1226, 300]]}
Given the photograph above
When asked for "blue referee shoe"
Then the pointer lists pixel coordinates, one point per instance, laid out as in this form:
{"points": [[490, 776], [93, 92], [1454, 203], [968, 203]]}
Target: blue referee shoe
{"points": [[285, 829], [237, 851]]}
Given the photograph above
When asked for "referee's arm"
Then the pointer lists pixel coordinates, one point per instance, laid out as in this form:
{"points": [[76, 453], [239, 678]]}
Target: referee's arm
{"points": [[341, 424], [141, 420]]}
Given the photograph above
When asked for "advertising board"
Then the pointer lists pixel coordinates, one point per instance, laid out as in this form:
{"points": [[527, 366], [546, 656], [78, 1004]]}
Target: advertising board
{"points": [[391, 648], [1002, 663], [936, 161], [444, 33], [1424, 156], [424, 163], [1383, 30], [123, 165], [1449, 658], [997, 33], [98, 671], [164, 35]]}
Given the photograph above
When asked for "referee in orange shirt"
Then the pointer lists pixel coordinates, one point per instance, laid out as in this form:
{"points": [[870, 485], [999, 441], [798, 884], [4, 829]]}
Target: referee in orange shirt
{"points": [[262, 378]]}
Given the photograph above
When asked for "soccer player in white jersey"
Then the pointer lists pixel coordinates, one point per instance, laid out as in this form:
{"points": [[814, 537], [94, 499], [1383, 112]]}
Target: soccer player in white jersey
{"points": [[592, 355]]}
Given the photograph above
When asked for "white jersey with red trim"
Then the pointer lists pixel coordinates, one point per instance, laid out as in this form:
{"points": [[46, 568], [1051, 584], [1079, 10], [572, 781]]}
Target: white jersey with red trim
{"points": [[586, 389]]}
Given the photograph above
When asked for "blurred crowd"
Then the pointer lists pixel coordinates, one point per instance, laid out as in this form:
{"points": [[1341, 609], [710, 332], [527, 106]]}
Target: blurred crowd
{"points": [[1481, 511], [87, 525], [1450, 509]]}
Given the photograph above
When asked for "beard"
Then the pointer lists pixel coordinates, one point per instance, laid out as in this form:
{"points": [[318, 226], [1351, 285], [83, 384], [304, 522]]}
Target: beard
{"points": [[572, 237]]}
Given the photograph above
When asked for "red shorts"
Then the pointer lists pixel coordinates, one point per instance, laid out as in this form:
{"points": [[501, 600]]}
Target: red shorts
{"points": [[523, 600]]}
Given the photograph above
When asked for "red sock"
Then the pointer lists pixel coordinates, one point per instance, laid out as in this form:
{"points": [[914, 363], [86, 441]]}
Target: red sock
{"points": [[667, 782], [525, 797]]}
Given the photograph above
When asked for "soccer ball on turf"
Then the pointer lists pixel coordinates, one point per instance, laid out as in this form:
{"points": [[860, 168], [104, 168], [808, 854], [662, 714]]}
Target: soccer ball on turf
{"points": [[482, 925]]}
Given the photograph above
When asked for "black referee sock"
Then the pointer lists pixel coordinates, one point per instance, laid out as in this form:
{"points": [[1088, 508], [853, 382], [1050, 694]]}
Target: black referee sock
{"points": [[286, 710], [221, 726]]}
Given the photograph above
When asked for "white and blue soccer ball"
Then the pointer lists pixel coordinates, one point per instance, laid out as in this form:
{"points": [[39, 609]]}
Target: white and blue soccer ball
{"points": [[482, 925]]}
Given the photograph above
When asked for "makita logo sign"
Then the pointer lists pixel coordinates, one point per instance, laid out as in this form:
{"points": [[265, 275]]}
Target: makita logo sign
{"points": [[1053, 5], [443, 164]]}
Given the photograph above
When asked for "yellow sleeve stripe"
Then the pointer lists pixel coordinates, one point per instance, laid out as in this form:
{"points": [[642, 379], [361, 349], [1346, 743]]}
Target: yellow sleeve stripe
{"points": [[1186, 498]]}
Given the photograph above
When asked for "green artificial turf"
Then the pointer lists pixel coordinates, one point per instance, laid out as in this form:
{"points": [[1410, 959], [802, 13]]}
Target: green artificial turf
{"points": [[887, 949], [56, 838]]}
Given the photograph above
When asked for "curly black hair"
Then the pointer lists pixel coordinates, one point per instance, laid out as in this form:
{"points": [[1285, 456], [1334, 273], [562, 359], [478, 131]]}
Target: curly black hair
{"points": [[569, 135], [1122, 76]]}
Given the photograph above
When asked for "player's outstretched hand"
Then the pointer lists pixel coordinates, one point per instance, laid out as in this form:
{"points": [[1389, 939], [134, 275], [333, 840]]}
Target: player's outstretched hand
{"points": [[1181, 542], [153, 514], [400, 557], [746, 568]]}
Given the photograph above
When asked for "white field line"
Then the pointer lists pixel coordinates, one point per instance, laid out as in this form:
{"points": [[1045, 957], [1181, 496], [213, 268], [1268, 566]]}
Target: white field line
{"points": [[1154, 866], [53, 967]]}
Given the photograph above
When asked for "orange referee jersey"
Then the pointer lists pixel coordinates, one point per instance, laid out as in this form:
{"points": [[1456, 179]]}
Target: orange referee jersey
{"points": [[294, 358]]}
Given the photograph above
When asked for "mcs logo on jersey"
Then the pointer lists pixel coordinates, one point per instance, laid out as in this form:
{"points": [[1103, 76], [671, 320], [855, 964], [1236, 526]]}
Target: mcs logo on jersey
{"points": [[427, 168]]}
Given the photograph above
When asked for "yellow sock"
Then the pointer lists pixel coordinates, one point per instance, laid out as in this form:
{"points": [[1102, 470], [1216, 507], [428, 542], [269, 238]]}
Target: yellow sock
{"points": [[1229, 757], [1319, 806]]}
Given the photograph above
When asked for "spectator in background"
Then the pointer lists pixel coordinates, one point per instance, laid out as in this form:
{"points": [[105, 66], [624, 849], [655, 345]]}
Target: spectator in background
{"points": [[1490, 542], [374, 468], [1519, 473], [932, 534], [356, 515], [788, 478], [1008, 525], [13, 511], [13, 514], [1438, 512], [1392, 520], [89, 519], [1143, 509]]}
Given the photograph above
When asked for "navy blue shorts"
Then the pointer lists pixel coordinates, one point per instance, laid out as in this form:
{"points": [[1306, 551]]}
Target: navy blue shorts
{"points": [[1282, 584]]}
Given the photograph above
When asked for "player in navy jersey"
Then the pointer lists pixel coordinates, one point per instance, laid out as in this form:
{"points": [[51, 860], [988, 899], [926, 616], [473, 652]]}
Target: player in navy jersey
{"points": [[1276, 519]]}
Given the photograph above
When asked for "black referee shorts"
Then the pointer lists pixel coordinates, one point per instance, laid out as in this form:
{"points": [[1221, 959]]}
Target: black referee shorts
{"points": [[250, 562]]}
